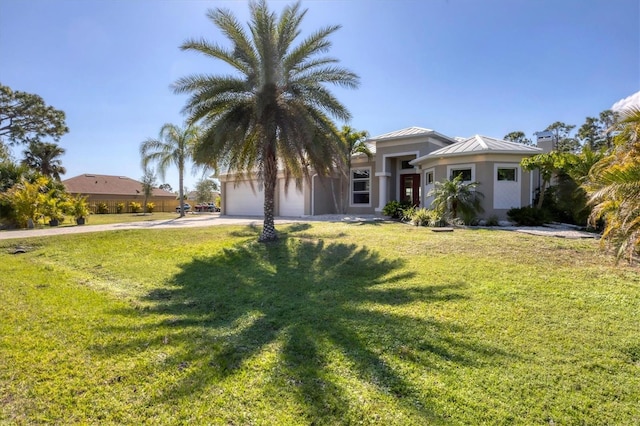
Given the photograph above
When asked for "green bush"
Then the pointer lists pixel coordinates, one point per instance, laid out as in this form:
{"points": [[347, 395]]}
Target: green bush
{"points": [[395, 209], [407, 213], [425, 217], [151, 207], [103, 208], [493, 221], [528, 216], [119, 208], [135, 207]]}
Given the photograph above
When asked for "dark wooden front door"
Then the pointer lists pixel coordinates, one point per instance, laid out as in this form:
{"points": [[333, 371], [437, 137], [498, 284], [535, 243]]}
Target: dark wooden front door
{"points": [[410, 188]]}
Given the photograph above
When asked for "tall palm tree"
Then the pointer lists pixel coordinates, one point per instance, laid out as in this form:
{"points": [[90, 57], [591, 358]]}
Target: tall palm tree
{"points": [[43, 157], [454, 198], [613, 187], [275, 108], [174, 146]]}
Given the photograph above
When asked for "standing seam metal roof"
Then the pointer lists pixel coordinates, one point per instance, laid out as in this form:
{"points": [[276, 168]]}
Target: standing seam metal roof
{"points": [[480, 143], [409, 131]]}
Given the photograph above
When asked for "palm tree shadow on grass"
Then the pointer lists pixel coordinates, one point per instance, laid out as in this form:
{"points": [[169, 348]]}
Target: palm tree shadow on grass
{"points": [[306, 295]]}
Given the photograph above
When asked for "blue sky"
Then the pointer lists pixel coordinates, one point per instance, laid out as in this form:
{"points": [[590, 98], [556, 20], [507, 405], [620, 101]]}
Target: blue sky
{"points": [[460, 67]]}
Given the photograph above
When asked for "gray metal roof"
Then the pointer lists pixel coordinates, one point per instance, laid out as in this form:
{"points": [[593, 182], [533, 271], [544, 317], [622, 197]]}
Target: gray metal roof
{"points": [[403, 133], [481, 144], [413, 132]]}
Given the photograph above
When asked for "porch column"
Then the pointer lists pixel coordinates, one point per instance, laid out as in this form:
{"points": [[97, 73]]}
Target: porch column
{"points": [[383, 178]]}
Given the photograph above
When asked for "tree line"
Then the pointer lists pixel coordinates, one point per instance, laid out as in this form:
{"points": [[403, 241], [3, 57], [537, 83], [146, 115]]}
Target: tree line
{"points": [[595, 134]]}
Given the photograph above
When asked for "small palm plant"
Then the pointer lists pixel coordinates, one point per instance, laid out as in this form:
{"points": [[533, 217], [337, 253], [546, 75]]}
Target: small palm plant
{"points": [[79, 208], [455, 199]]}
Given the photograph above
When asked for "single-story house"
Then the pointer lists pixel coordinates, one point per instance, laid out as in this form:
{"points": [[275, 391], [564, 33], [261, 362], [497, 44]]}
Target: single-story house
{"points": [[404, 166], [112, 190]]}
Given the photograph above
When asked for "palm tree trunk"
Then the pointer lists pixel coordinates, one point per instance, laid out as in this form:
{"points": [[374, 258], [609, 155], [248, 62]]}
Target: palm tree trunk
{"points": [[336, 207], [270, 180], [181, 189]]}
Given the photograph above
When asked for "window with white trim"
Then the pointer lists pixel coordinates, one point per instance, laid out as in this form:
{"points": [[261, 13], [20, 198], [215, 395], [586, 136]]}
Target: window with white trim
{"points": [[507, 174], [361, 186], [428, 177], [468, 172]]}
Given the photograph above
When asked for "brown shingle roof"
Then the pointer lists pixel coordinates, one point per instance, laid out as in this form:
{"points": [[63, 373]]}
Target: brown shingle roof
{"points": [[89, 184]]}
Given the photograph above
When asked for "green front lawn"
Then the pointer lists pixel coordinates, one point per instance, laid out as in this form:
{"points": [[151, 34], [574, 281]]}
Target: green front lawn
{"points": [[334, 324]]}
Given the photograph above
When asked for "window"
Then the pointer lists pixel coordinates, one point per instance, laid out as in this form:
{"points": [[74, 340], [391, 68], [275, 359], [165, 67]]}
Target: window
{"points": [[360, 186], [466, 174], [428, 178], [509, 174]]}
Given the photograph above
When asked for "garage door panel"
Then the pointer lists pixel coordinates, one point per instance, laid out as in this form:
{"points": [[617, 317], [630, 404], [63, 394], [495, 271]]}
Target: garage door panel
{"points": [[242, 200], [291, 203]]}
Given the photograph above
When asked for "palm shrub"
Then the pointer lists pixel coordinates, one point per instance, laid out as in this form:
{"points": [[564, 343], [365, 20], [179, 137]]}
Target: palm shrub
{"points": [[613, 187], [135, 207], [79, 207], [407, 213], [455, 200], [53, 207], [427, 217], [151, 207], [26, 200], [103, 208]]}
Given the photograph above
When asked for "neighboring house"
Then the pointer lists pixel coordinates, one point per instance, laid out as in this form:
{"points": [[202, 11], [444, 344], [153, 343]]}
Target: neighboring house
{"points": [[117, 189], [404, 166]]}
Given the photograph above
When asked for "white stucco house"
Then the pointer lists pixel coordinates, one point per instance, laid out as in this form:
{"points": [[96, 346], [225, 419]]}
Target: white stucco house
{"points": [[404, 166]]}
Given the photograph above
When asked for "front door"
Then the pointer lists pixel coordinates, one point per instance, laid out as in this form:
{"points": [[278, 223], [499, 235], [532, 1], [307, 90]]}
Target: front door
{"points": [[410, 188]]}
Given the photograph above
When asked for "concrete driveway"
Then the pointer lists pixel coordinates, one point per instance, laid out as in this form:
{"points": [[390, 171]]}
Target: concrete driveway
{"points": [[189, 221]]}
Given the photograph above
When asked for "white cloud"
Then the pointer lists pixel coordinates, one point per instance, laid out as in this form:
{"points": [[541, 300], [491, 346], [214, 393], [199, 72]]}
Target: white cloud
{"points": [[629, 101]]}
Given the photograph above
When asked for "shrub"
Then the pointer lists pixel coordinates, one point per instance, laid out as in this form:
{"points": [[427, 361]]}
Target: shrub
{"points": [[119, 208], [493, 221], [425, 217], [406, 214], [395, 209], [79, 207], [150, 207], [528, 216], [422, 217], [135, 207], [103, 208]]}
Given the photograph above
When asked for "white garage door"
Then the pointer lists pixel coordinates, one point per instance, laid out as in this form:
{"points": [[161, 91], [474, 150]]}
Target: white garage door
{"points": [[291, 204], [243, 201]]}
